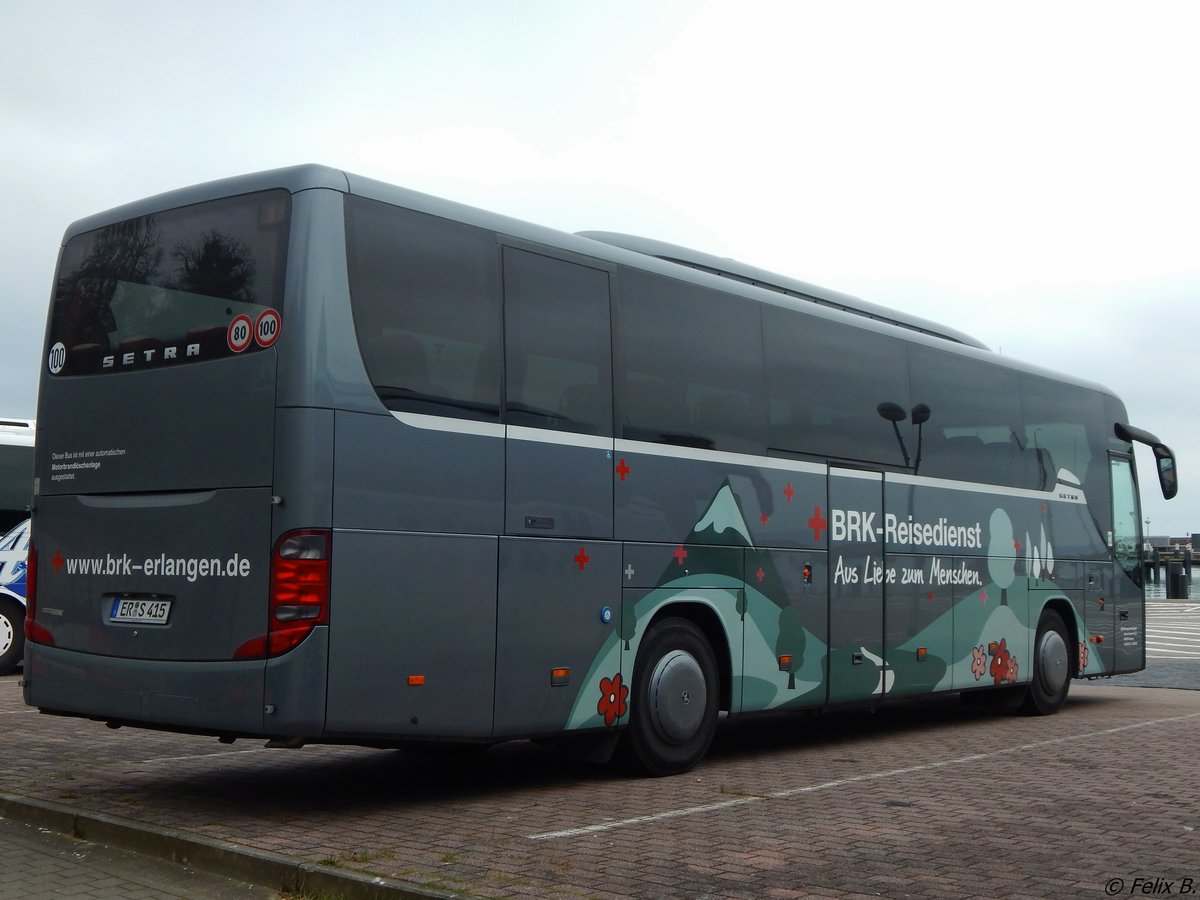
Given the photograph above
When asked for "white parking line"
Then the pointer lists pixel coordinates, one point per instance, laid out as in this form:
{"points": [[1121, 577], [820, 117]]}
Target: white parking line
{"points": [[841, 782], [154, 759]]}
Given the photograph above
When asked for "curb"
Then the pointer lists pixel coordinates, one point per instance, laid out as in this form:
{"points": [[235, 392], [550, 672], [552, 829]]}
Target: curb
{"points": [[260, 867]]}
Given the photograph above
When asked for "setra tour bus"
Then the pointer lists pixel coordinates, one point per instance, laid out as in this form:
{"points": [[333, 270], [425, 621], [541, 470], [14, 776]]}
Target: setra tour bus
{"points": [[320, 459]]}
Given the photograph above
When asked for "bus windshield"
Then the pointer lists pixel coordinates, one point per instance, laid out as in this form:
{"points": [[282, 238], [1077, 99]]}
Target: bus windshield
{"points": [[164, 289]]}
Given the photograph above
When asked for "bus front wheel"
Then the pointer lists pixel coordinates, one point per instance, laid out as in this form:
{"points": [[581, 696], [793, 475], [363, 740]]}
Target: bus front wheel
{"points": [[1051, 667], [673, 706]]}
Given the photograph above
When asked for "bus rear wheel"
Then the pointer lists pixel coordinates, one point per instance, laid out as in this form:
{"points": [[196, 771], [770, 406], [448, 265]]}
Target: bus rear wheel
{"points": [[12, 635], [1051, 667], [673, 706]]}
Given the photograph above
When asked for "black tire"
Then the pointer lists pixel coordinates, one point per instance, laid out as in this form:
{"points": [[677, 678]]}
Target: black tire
{"points": [[12, 634], [674, 702], [1051, 667]]}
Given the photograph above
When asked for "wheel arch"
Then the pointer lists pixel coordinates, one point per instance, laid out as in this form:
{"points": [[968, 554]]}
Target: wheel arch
{"points": [[1066, 612], [709, 622]]}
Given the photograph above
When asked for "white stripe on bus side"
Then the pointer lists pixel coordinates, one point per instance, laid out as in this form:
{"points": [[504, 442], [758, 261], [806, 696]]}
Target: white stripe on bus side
{"points": [[1067, 494]]}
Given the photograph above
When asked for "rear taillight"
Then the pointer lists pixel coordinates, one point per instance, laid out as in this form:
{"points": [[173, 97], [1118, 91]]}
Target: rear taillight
{"points": [[34, 631], [299, 599]]}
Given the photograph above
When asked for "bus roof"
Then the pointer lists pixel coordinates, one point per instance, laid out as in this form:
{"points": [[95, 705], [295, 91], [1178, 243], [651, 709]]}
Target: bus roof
{"points": [[792, 287], [645, 253]]}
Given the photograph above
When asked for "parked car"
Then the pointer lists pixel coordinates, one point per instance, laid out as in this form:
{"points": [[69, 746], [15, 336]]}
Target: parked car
{"points": [[14, 548]]}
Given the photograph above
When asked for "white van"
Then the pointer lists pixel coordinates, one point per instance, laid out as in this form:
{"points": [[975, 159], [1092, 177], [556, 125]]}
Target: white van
{"points": [[14, 547], [16, 490]]}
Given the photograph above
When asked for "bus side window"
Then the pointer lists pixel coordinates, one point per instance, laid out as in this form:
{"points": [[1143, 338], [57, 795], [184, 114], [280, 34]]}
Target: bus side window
{"points": [[416, 277], [825, 381], [584, 407], [399, 365], [681, 344], [970, 433], [558, 371]]}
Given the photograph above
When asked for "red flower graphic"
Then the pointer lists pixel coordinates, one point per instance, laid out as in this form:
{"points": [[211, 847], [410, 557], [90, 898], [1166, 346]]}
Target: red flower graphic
{"points": [[1011, 675], [1000, 660], [613, 695], [1083, 656]]}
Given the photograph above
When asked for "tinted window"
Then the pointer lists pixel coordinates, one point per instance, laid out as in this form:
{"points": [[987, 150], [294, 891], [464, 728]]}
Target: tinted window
{"points": [[825, 384], [1071, 427], [558, 372], [185, 285], [1127, 526], [976, 428], [425, 293], [690, 366]]}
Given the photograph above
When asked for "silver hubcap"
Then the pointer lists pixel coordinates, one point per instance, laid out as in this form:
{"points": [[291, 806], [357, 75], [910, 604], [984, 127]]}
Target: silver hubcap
{"points": [[1053, 665], [678, 696], [7, 634]]}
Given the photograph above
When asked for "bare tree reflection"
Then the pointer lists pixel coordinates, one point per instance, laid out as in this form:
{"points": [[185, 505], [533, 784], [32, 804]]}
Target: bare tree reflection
{"points": [[128, 251], [218, 266]]}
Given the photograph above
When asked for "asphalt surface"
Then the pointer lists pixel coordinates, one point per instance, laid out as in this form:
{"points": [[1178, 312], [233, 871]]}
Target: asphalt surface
{"points": [[935, 799], [1181, 674]]}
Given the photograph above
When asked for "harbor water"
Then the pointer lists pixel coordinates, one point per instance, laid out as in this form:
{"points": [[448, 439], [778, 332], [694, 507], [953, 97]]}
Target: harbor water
{"points": [[1156, 587]]}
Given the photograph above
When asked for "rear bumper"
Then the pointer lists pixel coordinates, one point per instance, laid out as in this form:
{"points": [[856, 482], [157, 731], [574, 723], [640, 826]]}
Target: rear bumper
{"points": [[220, 698]]}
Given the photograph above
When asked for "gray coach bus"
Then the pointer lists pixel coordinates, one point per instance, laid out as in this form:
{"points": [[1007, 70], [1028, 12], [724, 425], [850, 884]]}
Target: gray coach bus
{"points": [[324, 460]]}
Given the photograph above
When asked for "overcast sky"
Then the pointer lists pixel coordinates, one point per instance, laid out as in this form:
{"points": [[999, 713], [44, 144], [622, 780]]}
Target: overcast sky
{"points": [[1027, 172]]}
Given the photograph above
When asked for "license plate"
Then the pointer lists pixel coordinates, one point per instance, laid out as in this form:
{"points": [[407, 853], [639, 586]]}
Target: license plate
{"points": [[141, 612]]}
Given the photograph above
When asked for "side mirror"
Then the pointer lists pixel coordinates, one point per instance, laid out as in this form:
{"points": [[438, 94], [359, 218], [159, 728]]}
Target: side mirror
{"points": [[1164, 459], [893, 412], [921, 413], [1168, 478]]}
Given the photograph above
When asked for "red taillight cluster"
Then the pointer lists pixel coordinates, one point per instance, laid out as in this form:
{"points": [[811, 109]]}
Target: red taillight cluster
{"points": [[299, 599], [34, 631]]}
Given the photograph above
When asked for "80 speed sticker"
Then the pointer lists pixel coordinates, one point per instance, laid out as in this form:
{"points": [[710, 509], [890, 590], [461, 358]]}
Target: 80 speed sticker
{"points": [[240, 332]]}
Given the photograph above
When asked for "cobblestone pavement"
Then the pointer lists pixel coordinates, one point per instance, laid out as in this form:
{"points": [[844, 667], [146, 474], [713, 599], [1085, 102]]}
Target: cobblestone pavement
{"points": [[37, 862], [920, 800]]}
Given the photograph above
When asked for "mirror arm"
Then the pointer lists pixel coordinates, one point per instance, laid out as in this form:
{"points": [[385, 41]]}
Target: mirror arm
{"points": [[1168, 480]]}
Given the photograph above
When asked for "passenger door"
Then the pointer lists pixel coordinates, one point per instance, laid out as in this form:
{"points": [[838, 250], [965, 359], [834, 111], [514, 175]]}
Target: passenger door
{"points": [[559, 569], [1126, 626], [857, 667], [558, 398]]}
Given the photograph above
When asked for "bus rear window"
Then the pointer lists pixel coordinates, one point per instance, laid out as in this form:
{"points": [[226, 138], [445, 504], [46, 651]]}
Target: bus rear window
{"points": [[191, 284]]}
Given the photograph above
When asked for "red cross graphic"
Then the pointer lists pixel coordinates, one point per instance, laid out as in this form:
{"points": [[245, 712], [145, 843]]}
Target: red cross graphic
{"points": [[622, 469], [57, 562], [817, 523], [680, 554], [764, 518], [789, 492], [760, 574], [582, 559], [1017, 544]]}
